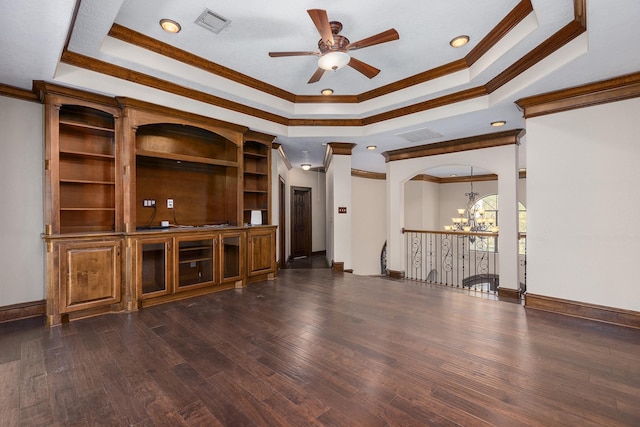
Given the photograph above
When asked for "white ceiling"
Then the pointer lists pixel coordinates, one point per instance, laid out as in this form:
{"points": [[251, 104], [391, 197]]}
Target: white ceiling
{"points": [[33, 35]]}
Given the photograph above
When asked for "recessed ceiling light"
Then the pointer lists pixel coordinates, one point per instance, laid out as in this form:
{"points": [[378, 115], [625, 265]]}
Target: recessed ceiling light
{"points": [[498, 123], [327, 91], [170, 26], [459, 41], [453, 175], [371, 147], [305, 166]]}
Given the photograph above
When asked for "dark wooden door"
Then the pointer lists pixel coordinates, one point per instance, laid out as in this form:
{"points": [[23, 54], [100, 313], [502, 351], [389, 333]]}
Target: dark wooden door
{"points": [[300, 221]]}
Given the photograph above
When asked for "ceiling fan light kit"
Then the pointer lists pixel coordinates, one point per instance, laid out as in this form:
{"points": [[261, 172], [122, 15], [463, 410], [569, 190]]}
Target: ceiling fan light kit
{"points": [[333, 48], [333, 60]]}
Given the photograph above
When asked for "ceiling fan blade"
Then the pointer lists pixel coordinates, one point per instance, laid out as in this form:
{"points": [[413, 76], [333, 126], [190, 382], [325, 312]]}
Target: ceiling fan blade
{"points": [[383, 37], [316, 76], [363, 67], [321, 21], [299, 53]]}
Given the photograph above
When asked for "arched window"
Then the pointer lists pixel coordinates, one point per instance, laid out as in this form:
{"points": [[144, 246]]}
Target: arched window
{"points": [[490, 205]]}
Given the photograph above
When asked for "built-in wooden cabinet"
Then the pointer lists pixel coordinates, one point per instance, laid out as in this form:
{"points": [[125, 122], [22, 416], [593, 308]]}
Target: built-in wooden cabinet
{"points": [[257, 176], [146, 204]]}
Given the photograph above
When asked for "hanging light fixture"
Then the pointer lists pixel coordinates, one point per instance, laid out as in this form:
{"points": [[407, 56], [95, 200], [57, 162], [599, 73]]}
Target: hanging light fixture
{"points": [[472, 219]]}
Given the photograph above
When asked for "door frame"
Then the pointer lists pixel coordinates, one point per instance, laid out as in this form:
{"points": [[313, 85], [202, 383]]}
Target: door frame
{"points": [[308, 231], [282, 220]]}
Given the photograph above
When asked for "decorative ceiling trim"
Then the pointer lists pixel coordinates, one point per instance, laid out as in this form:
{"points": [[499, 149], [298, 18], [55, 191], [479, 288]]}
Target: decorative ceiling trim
{"points": [[611, 90], [106, 68], [457, 179], [513, 18], [453, 98], [559, 39], [463, 179], [15, 92], [544, 49], [369, 175], [517, 15], [137, 39], [456, 145]]}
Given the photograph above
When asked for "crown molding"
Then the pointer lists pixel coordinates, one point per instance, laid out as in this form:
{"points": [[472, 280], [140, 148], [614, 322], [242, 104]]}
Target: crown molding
{"points": [[456, 145], [605, 91], [16, 92], [137, 39], [369, 175]]}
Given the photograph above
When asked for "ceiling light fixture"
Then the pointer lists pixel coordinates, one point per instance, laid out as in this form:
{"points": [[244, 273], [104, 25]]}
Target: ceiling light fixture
{"points": [[498, 123], [305, 166], [327, 91], [459, 41], [333, 60], [472, 219], [170, 26], [371, 147]]}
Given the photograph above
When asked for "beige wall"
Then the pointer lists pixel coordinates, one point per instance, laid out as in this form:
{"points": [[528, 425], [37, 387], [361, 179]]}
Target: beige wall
{"points": [[583, 204], [21, 196], [369, 224]]}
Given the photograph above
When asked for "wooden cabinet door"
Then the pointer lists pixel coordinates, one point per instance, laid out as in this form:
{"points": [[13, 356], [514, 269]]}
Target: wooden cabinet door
{"points": [[153, 265], [89, 275], [261, 251], [231, 256]]}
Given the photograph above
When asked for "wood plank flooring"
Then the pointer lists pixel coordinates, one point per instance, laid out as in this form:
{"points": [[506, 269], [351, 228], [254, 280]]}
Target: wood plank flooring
{"points": [[316, 348]]}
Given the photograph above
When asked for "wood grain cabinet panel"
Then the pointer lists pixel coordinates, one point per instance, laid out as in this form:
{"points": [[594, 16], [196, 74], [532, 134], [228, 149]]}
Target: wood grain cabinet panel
{"points": [[90, 275], [261, 250]]}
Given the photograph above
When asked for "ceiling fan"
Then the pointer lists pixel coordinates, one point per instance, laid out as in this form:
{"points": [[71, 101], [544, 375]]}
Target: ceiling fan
{"points": [[334, 48]]}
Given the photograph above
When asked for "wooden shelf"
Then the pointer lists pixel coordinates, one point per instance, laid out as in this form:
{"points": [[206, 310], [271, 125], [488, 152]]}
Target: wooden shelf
{"points": [[256, 155], [185, 158], [85, 181], [87, 209], [86, 126], [86, 154]]}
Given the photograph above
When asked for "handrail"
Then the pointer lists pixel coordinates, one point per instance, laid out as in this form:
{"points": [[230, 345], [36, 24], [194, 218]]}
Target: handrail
{"points": [[459, 233]]}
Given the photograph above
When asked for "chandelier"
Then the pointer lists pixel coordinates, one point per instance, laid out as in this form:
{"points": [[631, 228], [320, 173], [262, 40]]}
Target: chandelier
{"points": [[472, 219]]}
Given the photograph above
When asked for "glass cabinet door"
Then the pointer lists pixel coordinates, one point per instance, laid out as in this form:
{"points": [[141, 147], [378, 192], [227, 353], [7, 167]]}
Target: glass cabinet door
{"points": [[152, 267], [232, 261], [196, 263]]}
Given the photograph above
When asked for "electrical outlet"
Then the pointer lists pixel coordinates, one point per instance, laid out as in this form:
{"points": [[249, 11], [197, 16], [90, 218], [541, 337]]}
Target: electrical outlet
{"points": [[169, 203], [152, 203], [148, 203]]}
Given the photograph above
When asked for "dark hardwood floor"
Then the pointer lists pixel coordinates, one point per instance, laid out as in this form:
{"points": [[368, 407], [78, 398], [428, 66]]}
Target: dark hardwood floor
{"points": [[320, 348], [313, 261]]}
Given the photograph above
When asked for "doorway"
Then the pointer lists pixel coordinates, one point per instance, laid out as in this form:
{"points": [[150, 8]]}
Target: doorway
{"points": [[300, 222]]}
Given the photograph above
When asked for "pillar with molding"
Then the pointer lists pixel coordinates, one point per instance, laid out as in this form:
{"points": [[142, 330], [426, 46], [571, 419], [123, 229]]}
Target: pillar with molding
{"points": [[339, 213]]}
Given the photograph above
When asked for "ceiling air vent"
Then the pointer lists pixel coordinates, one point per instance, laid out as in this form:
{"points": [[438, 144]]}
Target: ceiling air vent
{"points": [[212, 21], [419, 135]]}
